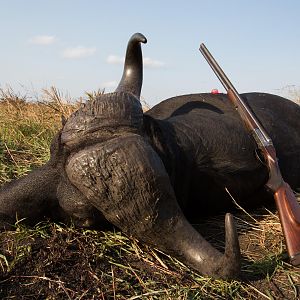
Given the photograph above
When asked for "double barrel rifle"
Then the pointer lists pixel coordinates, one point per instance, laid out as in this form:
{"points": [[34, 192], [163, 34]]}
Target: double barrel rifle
{"points": [[286, 202]]}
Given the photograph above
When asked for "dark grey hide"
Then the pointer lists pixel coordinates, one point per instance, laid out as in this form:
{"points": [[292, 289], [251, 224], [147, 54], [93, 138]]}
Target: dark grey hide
{"points": [[150, 174]]}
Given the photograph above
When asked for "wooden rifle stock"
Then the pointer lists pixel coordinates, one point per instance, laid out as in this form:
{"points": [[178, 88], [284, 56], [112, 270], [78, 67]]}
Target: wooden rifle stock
{"points": [[286, 202]]}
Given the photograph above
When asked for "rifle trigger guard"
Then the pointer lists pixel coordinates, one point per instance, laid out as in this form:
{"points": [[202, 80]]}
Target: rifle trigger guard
{"points": [[260, 156]]}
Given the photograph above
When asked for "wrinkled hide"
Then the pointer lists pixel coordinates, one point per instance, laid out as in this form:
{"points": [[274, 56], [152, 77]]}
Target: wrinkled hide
{"points": [[150, 174]]}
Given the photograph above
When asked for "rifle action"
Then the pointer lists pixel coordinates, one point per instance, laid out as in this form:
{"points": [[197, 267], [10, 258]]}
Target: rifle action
{"points": [[286, 202]]}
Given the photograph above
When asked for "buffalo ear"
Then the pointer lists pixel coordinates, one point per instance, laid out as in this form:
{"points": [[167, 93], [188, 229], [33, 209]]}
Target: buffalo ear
{"points": [[132, 78]]}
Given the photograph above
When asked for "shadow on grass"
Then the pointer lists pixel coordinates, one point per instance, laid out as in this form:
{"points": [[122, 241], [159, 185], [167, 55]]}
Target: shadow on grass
{"points": [[261, 269]]}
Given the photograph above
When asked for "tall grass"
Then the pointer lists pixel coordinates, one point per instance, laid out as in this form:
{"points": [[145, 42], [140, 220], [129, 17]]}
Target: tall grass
{"points": [[27, 128]]}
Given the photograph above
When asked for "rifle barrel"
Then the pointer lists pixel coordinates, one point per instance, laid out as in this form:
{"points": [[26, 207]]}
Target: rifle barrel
{"points": [[260, 134]]}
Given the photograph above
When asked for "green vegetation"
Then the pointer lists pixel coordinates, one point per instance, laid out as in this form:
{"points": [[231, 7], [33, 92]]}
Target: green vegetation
{"points": [[55, 261]]}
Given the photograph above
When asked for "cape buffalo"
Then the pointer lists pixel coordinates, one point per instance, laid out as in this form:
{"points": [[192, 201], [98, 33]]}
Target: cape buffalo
{"points": [[151, 173]]}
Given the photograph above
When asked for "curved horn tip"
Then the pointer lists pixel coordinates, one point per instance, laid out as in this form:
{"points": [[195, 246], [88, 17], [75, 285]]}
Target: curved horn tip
{"points": [[232, 240], [138, 37], [232, 248], [132, 77]]}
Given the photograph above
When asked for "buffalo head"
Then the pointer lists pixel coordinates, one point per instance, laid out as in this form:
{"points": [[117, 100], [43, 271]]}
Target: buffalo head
{"points": [[103, 167]]}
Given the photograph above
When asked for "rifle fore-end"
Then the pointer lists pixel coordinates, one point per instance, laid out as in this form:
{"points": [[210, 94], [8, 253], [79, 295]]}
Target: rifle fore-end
{"points": [[289, 215], [250, 121], [241, 111]]}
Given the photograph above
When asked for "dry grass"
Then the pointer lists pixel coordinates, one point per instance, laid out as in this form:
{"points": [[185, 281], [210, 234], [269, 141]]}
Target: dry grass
{"points": [[27, 128], [53, 261]]}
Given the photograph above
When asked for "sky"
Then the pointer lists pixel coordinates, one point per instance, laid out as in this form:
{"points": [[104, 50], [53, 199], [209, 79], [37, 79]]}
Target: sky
{"points": [[79, 45]]}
